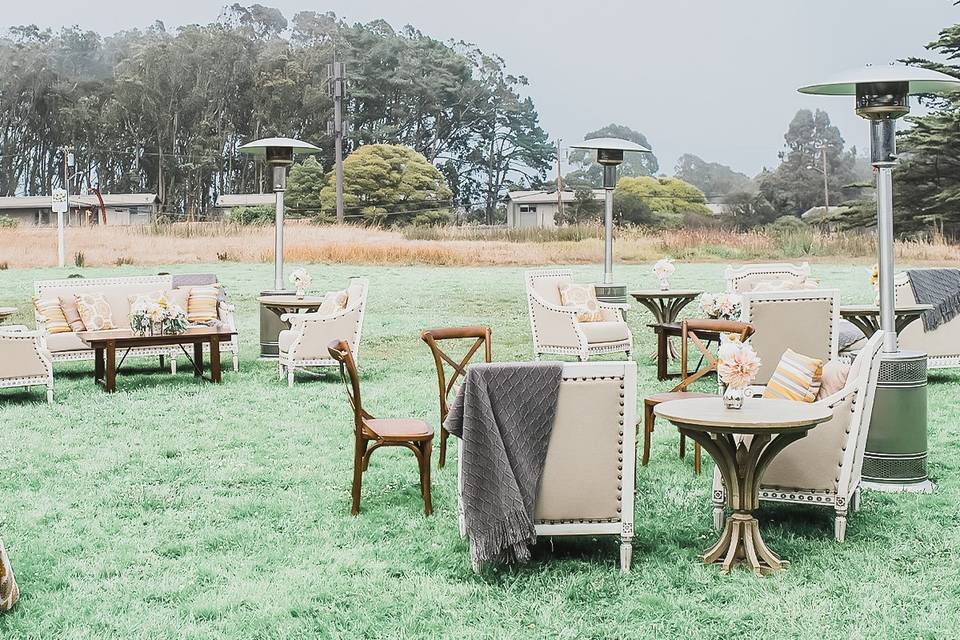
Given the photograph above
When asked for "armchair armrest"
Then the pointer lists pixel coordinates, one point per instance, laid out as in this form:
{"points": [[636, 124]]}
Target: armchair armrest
{"points": [[553, 325]]}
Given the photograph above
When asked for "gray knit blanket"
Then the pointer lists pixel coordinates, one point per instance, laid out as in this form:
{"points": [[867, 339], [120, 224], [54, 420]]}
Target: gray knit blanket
{"points": [[503, 414], [939, 287]]}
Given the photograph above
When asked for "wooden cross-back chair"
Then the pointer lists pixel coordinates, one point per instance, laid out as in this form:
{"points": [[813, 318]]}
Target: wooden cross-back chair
{"points": [[695, 332], [413, 434], [481, 338]]}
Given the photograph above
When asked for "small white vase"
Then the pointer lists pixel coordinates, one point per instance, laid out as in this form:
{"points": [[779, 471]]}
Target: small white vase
{"points": [[664, 284], [301, 293], [733, 397]]}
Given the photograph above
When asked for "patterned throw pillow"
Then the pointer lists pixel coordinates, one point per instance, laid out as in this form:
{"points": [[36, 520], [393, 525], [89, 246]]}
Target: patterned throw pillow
{"points": [[583, 298], [71, 313], [152, 296], [50, 309], [202, 304], [333, 302], [797, 377], [95, 312], [834, 378], [9, 593]]}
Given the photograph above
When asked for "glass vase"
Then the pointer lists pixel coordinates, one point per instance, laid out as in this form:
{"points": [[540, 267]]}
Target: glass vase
{"points": [[664, 284], [733, 397]]}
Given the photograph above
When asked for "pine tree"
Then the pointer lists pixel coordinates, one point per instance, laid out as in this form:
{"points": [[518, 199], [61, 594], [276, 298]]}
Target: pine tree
{"points": [[304, 184]]}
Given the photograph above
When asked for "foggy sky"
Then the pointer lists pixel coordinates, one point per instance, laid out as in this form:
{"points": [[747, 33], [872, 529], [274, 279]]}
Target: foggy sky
{"points": [[717, 79]]}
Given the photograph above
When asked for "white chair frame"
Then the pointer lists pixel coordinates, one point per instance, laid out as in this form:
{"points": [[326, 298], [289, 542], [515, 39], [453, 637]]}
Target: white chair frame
{"points": [[770, 272], [18, 333]]}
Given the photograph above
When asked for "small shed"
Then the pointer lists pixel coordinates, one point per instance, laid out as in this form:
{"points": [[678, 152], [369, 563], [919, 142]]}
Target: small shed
{"points": [[538, 209], [122, 209]]}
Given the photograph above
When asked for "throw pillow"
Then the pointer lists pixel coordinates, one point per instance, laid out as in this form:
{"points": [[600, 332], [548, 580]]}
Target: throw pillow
{"points": [[202, 304], [583, 298], [834, 378], [50, 309], [71, 313], [178, 297], [152, 296], [797, 377], [95, 312], [9, 593], [333, 302]]}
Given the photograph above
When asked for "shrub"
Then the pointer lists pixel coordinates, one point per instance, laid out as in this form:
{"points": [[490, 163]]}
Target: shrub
{"points": [[258, 215], [79, 259], [122, 260], [6, 222]]}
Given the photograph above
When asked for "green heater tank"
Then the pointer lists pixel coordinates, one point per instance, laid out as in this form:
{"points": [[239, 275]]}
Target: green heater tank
{"points": [[895, 457]]}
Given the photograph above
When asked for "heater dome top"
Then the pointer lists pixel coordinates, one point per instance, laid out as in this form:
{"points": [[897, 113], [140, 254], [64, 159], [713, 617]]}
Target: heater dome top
{"points": [[919, 80], [259, 147], [610, 144]]}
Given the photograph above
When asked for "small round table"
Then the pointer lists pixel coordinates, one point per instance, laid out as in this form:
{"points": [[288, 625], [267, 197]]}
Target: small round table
{"points": [[665, 305], [773, 424], [866, 317], [272, 308], [6, 312]]}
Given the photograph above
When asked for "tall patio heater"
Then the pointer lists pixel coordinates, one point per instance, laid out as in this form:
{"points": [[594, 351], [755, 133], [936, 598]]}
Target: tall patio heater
{"points": [[278, 154], [609, 156], [896, 451]]}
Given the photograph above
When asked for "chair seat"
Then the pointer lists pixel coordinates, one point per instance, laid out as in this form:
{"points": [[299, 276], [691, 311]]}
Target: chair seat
{"points": [[400, 428], [657, 398], [599, 332]]}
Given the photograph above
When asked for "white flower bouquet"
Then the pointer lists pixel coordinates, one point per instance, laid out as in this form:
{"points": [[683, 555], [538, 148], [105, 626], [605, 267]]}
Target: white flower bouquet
{"points": [[721, 306], [159, 317], [663, 269], [301, 281]]}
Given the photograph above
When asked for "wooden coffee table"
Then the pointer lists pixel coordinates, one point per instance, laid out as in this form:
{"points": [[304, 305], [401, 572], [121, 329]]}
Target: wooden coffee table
{"points": [[773, 424], [106, 343]]}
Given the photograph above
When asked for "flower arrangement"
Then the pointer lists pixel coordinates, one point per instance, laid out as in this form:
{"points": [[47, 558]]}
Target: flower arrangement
{"points": [[721, 306], [663, 269], [301, 280], [737, 366], [875, 283], [159, 317]]}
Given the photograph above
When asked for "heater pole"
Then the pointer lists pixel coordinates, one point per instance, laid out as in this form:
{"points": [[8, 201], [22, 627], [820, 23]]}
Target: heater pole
{"points": [[279, 185], [609, 184], [883, 157]]}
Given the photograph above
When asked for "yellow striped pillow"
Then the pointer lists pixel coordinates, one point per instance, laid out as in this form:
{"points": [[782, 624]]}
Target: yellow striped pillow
{"points": [[202, 303], [797, 378], [50, 309]]}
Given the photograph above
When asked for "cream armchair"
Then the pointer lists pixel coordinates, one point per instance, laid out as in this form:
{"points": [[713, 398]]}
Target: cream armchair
{"points": [[745, 278], [823, 468], [304, 344], [942, 345], [806, 321], [556, 329], [24, 359]]}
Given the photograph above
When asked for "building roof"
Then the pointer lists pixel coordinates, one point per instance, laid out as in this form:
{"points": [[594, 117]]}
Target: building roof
{"points": [[245, 199], [818, 214], [109, 199], [545, 197]]}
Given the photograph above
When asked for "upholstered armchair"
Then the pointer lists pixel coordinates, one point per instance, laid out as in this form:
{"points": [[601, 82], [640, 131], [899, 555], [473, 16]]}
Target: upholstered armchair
{"points": [[304, 344], [556, 329], [24, 359], [823, 468], [806, 321], [744, 278]]}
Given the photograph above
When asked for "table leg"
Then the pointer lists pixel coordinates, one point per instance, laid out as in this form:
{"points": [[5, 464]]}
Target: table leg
{"points": [[197, 359], [98, 365], [214, 359], [111, 367], [662, 373], [742, 468]]}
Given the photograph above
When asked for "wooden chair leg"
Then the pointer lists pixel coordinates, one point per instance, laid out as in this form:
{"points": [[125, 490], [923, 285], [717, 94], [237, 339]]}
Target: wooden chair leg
{"points": [[696, 458], [426, 449], [648, 418], [683, 446], [357, 476], [443, 448]]}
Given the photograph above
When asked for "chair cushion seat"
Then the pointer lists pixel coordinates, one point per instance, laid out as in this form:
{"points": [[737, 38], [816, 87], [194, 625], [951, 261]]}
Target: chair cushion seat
{"points": [[400, 428], [597, 332], [59, 342], [286, 339], [657, 398]]}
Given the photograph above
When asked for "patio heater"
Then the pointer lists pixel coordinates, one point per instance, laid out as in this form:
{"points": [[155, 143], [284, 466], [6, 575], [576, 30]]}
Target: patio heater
{"points": [[895, 458], [278, 154], [609, 156]]}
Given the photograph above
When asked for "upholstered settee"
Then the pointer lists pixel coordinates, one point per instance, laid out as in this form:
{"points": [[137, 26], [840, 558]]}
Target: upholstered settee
{"points": [[117, 293]]}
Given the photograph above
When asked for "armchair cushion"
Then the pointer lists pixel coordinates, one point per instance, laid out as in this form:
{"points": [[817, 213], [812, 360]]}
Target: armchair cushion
{"points": [[65, 342], [202, 303], [797, 377], [354, 294], [583, 298], [598, 332], [95, 311], [50, 309], [285, 339], [71, 313], [834, 378], [333, 302]]}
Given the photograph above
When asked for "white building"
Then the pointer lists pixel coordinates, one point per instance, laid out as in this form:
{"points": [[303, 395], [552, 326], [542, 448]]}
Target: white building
{"points": [[533, 209], [121, 209]]}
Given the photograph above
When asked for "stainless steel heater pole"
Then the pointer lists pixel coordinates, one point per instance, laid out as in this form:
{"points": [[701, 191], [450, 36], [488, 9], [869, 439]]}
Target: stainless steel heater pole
{"points": [[279, 186], [609, 184], [883, 156]]}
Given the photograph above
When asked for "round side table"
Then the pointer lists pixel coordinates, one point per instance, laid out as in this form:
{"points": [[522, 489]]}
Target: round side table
{"points": [[866, 317], [773, 424], [665, 307], [272, 307]]}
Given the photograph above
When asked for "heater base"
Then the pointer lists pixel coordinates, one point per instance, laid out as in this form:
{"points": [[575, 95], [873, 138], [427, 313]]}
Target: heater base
{"points": [[613, 293]]}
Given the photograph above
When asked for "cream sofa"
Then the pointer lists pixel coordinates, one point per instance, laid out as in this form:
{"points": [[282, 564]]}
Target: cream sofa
{"points": [[587, 487], [65, 347], [24, 360], [304, 344], [823, 468], [942, 345], [556, 329]]}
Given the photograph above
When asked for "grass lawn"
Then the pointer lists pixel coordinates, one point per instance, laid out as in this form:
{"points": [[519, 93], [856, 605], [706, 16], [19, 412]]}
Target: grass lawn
{"points": [[177, 509]]}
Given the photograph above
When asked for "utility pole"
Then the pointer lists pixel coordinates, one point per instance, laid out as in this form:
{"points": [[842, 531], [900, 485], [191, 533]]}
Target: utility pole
{"points": [[559, 183], [336, 72], [826, 190], [63, 209]]}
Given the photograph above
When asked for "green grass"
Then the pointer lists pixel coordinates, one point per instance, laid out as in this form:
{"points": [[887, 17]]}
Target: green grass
{"points": [[176, 509]]}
